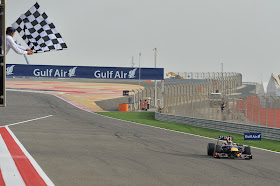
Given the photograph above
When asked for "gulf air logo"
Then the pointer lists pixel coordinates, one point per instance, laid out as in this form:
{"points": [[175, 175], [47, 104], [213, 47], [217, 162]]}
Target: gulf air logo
{"points": [[131, 73], [10, 70], [115, 74], [72, 72], [55, 72]]}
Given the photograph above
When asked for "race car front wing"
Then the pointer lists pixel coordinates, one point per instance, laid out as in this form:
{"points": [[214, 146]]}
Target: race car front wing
{"points": [[239, 155]]}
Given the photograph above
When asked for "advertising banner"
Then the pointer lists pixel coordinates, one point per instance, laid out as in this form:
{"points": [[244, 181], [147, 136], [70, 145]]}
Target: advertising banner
{"points": [[252, 136], [52, 71]]}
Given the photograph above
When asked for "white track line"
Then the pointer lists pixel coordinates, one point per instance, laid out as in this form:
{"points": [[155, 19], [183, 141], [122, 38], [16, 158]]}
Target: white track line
{"points": [[180, 132], [75, 105], [160, 127], [9, 169], [32, 161], [151, 126], [265, 150], [28, 121]]}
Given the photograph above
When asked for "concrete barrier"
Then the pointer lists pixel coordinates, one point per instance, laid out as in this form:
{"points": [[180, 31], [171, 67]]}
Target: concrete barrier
{"points": [[238, 128]]}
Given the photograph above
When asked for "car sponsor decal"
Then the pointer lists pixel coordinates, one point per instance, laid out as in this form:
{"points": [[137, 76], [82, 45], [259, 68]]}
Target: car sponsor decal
{"points": [[252, 136]]}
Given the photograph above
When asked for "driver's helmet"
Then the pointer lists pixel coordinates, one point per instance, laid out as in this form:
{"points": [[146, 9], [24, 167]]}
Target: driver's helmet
{"points": [[229, 141]]}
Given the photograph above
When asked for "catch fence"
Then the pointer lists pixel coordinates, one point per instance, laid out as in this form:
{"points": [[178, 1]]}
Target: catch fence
{"points": [[208, 75], [178, 94], [255, 110]]}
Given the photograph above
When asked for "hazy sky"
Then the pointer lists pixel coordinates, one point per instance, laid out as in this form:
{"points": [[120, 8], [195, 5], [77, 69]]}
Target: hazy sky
{"points": [[191, 35]]}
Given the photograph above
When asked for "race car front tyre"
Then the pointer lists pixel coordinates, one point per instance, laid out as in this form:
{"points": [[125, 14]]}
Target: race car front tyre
{"points": [[210, 149], [247, 150], [218, 148]]}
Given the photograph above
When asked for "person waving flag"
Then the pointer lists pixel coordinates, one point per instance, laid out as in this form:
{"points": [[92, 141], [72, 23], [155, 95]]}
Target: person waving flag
{"points": [[38, 32]]}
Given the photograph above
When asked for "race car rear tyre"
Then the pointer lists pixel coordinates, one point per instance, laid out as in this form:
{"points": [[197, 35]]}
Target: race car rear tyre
{"points": [[218, 148], [210, 149], [247, 150]]}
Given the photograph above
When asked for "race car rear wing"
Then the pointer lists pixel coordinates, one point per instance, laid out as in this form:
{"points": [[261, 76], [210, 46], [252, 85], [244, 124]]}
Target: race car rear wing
{"points": [[225, 137]]}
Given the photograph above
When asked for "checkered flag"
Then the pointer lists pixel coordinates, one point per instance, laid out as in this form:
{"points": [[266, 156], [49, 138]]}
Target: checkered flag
{"points": [[38, 32]]}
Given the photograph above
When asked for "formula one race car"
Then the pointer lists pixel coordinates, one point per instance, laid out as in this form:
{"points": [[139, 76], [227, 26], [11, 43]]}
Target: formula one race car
{"points": [[225, 148]]}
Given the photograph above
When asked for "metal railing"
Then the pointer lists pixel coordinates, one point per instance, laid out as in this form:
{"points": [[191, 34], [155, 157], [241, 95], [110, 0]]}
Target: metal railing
{"points": [[177, 94], [254, 110], [211, 75], [249, 83], [238, 128]]}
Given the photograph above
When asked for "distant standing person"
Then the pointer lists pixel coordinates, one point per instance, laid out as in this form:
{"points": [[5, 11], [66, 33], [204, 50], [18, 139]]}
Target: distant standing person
{"points": [[142, 104], [10, 43], [223, 106], [146, 105]]}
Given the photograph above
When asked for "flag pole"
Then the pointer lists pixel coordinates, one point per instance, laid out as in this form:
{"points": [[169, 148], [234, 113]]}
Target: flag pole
{"points": [[26, 59], [139, 82], [155, 50]]}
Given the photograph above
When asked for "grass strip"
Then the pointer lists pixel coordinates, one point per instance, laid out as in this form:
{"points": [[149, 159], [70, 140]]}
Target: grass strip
{"points": [[148, 118]]}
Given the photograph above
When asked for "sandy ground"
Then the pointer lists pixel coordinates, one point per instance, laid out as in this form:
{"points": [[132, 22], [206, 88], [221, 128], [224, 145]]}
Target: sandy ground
{"points": [[83, 93]]}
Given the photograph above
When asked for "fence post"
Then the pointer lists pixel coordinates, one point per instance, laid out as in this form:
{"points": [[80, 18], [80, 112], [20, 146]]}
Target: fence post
{"points": [[277, 107], [259, 110], [265, 110], [232, 85], [192, 105], [252, 109], [252, 105], [199, 106], [174, 89], [274, 110], [246, 107], [138, 99]]}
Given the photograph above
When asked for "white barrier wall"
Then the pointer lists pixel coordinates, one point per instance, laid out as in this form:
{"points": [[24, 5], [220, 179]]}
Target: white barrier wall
{"points": [[267, 132]]}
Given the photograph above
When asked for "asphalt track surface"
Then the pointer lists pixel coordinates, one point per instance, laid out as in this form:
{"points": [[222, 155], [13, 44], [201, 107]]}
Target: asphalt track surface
{"points": [[75, 147]]}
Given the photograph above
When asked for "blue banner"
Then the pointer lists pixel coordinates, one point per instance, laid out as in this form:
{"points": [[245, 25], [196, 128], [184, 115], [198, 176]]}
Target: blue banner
{"points": [[52, 71], [252, 136]]}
